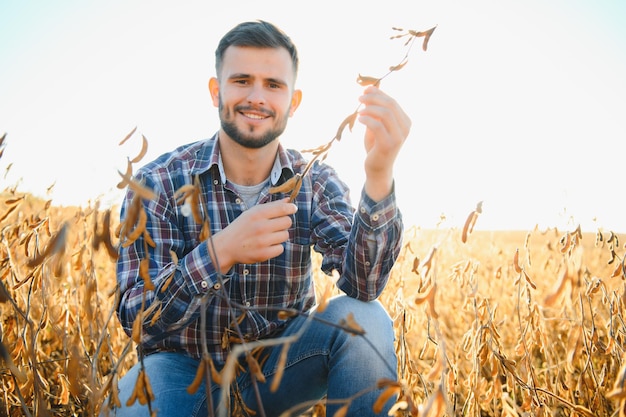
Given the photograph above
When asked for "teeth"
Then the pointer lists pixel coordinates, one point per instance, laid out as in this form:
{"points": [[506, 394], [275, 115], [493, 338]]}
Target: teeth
{"points": [[254, 116]]}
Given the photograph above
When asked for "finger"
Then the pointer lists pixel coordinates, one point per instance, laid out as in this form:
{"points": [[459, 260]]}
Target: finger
{"points": [[277, 238], [383, 130], [380, 106], [268, 245], [273, 251], [279, 224], [373, 96], [278, 208]]}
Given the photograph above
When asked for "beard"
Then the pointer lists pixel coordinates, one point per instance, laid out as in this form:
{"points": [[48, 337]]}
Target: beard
{"points": [[248, 139]]}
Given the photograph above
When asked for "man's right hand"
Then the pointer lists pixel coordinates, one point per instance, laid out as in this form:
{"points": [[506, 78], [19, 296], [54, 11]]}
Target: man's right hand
{"points": [[255, 236]]}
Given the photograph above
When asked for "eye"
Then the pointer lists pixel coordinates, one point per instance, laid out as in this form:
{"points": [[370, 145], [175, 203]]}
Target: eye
{"points": [[274, 84]]}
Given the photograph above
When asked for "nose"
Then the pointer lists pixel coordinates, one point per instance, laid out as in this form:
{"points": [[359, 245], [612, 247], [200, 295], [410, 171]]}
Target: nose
{"points": [[256, 94]]}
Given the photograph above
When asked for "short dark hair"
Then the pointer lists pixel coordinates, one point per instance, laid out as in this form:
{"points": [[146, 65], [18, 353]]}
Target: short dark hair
{"points": [[257, 34]]}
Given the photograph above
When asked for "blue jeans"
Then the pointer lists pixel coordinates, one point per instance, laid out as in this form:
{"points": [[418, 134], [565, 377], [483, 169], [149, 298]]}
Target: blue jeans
{"points": [[323, 361]]}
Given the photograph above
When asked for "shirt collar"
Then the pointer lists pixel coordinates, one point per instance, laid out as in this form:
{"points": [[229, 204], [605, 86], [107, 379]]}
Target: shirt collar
{"points": [[209, 156]]}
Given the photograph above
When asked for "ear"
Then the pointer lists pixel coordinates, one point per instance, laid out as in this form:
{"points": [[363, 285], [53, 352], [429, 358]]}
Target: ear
{"points": [[214, 89], [296, 99]]}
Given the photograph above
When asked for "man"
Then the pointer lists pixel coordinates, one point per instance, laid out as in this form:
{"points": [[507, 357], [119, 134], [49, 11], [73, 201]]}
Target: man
{"points": [[250, 280]]}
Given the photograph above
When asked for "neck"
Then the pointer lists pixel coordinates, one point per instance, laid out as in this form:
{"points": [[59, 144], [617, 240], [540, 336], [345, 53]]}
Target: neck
{"points": [[245, 166]]}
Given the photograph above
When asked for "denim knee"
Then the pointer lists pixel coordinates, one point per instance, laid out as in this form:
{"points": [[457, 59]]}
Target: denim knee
{"points": [[369, 315]]}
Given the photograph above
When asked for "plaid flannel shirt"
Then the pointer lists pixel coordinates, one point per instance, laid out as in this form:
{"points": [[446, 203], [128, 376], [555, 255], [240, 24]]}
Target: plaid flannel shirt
{"points": [[362, 245]]}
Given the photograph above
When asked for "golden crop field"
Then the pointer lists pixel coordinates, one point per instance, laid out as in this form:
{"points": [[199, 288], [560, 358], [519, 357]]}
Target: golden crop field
{"points": [[527, 323]]}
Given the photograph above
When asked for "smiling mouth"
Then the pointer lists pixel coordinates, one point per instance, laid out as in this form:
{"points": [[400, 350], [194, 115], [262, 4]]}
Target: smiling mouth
{"points": [[255, 114]]}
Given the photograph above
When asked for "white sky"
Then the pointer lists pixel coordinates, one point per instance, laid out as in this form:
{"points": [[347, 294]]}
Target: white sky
{"points": [[521, 105]]}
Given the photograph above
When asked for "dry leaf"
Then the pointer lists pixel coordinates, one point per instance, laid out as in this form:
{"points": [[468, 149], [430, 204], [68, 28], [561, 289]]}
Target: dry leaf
{"points": [[558, 289], [195, 384], [426, 295], [255, 368], [365, 80], [282, 361], [529, 281], [8, 362], [427, 263], [426, 35], [343, 411], [385, 396], [516, 265], [142, 152], [436, 405], [6, 214], [140, 190], [137, 325], [132, 132], [349, 324], [144, 273], [348, 121], [55, 245], [469, 225], [287, 186], [399, 66], [136, 233]]}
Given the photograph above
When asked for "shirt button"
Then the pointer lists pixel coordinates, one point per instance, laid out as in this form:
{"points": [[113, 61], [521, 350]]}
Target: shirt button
{"points": [[247, 303], [367, 263], [216, 182], [217, 286], [204, 285], [238, 200], [246, 271], [363, 210], [375, 217]]}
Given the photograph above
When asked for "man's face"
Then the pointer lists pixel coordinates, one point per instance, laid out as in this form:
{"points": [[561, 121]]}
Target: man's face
{"points": [[255, 94]]}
